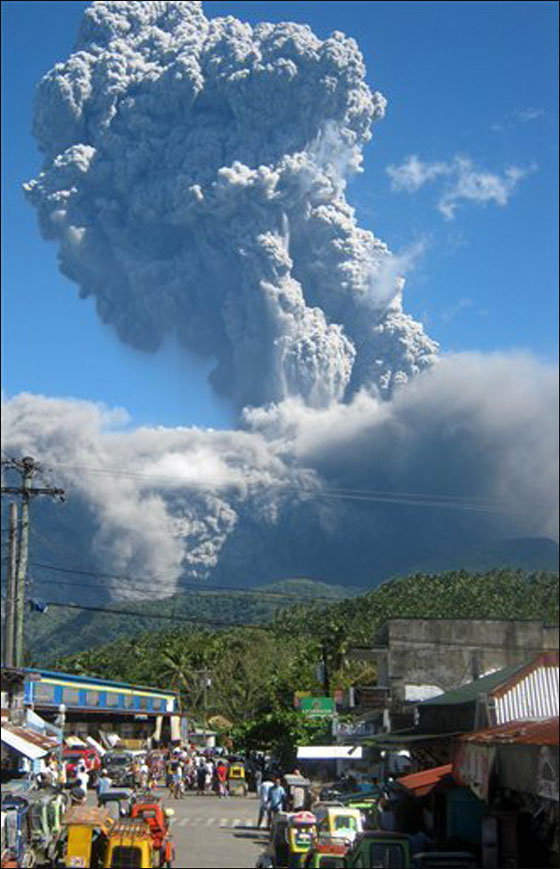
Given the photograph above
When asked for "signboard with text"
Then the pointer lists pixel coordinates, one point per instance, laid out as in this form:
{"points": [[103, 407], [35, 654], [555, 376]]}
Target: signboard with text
{"points": [[317, 707]]}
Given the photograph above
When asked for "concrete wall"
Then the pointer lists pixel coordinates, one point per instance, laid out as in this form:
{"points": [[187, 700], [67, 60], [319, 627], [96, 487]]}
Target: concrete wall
{"points": [[450, 652]]}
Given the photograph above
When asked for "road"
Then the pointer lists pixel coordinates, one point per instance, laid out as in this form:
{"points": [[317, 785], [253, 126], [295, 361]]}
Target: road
{"points": [[212, 832]]}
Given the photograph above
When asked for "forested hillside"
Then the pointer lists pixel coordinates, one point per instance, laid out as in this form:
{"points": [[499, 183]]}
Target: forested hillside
{"points": [[254, 669]]}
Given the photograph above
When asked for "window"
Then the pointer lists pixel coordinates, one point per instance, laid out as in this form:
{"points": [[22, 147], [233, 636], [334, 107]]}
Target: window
{"points": [[345, 822], [112, 699], [390, 856], [92, 698], [129, 701], [159, 704], [143, 702], [128, 857], [71, 697], [43, 693]]}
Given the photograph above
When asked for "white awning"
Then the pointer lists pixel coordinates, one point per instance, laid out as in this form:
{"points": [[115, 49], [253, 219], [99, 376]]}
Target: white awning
{"points": [[95, 744], [329, 752], [28, 743], [75, 742]]}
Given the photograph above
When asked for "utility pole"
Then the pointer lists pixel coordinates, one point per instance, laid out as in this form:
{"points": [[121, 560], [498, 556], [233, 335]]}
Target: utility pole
{"points": [[27, 467], [9, 636], [206, 682]]}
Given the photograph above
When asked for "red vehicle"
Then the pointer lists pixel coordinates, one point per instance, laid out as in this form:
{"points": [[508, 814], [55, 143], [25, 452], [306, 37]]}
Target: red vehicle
{"points": [[72, 757], [157, 819]]}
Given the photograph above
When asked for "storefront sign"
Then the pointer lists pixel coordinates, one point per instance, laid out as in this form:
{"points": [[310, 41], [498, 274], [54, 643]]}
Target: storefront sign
{"points": [[317, 707]]}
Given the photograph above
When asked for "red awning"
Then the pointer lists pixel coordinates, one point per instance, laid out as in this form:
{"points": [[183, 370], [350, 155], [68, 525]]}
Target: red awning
{"points": [[421, 783]]}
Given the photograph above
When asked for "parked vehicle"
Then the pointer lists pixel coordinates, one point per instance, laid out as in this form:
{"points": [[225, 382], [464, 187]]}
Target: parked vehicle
{"points": [[236, 779], [130, 844], [157, 818], [291, 837], [45, 813], [119, 767], [83, 842], [338, 822], [90, 757], [17, 849], [118, 801], [379, 850], [326, 853]]}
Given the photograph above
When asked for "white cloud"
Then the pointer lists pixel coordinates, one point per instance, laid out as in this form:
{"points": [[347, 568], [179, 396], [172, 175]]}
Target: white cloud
{"points": [[464, 182], [413, 173], [529, 114]]}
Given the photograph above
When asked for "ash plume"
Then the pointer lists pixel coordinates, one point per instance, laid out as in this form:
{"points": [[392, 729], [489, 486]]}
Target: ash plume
{"points": [[194, 180], [465, 454]]}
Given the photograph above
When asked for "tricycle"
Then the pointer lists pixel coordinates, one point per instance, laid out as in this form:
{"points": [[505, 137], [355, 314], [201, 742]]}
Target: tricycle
{"points": [[157, 819], [17, 848], [291, 837]]}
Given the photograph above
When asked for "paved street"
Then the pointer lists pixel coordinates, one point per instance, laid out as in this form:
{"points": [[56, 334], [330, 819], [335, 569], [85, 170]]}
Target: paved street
{"points": [[210, 832]]}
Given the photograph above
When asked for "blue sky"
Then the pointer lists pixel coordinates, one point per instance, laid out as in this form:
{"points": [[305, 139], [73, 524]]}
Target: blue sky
{"points": [[465, 82]]}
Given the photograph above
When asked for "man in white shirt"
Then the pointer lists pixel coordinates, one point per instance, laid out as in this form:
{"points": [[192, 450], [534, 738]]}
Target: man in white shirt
{"points": [[82, 778], [263, 793]]}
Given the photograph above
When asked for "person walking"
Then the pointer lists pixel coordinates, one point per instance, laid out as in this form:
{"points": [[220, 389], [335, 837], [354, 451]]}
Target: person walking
{"points": [[200, 778], [178, 782], [78, 791], [276, 799], [103, 784], [222, 773], [209, 777], [262, 793], [144, 774]]}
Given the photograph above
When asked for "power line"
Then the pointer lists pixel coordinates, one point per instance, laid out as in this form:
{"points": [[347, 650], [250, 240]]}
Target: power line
{"points": [[137, 615], [188, 586], [417, 499]]}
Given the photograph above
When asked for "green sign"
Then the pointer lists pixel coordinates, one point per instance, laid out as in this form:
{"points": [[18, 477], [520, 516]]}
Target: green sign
{"points": [[317, 707]]}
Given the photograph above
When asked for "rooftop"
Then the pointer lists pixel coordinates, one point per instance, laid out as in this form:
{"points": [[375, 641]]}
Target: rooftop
{"points": [[471, 690], [421, 783], [53, 674], [540, 732]]}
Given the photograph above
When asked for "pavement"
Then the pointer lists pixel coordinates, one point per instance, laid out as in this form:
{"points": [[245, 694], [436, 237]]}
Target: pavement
{"points": [[212, 832]]}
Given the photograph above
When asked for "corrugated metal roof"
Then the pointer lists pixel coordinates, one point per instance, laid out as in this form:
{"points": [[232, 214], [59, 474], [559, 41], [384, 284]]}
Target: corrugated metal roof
{"points": [[28, 742], [530, 693], [469, 692], [544, 732], [421, 783]]}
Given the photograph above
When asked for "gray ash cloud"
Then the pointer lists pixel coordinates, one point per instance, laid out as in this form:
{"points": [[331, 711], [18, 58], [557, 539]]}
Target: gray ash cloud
{"points": [[194, 180]]}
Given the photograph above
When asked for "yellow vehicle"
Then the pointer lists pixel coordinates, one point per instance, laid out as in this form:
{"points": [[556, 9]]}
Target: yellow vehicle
{"points": [[86, 831], [338, 822], [291, 837], [236, 779], [130, 844]]}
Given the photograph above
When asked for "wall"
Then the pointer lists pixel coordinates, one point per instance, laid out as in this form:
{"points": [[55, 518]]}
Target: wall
{"points": [[450, 652]]}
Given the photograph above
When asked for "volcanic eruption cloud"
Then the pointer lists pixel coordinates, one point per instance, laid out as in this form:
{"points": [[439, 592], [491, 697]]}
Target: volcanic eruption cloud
{"points": [[194, 179]]}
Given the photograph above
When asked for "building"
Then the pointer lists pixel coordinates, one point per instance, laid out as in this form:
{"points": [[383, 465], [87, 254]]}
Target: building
{"points": [[101, 708], [417, 659], [527, 691]]}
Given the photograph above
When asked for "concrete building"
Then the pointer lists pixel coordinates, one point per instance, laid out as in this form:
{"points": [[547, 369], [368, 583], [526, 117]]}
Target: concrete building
{"points": [[420, 658]]}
